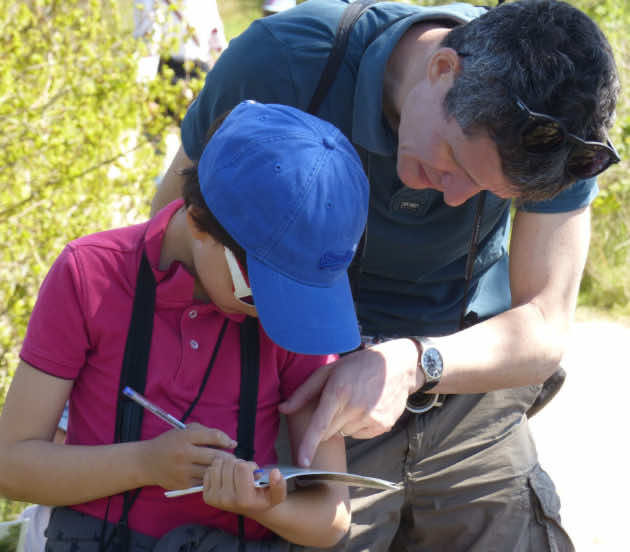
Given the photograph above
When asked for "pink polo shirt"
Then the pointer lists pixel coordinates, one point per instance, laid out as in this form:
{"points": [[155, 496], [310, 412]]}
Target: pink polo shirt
{"points": [[78, 330]]}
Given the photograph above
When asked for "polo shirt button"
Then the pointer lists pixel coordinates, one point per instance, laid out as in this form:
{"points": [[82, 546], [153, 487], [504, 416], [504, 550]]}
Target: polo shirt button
{"points": [[194, 344], [192, 314]]}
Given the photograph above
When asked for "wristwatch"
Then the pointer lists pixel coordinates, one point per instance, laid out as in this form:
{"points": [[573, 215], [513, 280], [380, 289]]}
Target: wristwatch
{"points": [[431, 363]]}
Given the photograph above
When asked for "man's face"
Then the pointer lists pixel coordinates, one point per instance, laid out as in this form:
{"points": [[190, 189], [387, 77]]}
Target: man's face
{"points": [[433, 152]]}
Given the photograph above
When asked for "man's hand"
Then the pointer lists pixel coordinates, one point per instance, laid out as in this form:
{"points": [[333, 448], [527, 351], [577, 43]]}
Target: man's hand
{"points": [[362, 394]]}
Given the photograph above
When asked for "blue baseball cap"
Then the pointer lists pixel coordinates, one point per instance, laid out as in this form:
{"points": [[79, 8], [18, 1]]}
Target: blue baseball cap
{"points": [[291, 190]]}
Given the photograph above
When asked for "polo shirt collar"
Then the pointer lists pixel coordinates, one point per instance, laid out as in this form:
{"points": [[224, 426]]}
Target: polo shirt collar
{"points": [[175, 286]]}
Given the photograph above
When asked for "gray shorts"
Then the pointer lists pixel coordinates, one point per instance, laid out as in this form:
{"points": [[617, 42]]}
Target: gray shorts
{"points": [[471, 477]]}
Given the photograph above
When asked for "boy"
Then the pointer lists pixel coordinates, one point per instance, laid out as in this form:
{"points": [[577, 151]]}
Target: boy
{"points": [[285, 195]]}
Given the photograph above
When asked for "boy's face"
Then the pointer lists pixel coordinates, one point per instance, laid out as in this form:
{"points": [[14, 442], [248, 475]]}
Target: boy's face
{"points": [[212, 274]]}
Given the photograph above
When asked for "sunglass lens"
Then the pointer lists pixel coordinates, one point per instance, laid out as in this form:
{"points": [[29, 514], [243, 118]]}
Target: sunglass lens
{"points": [[542, 136], [585, 162]]}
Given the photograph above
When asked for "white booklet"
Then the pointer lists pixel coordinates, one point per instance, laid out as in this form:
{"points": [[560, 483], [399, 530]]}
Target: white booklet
{"points": [[307, 474]]}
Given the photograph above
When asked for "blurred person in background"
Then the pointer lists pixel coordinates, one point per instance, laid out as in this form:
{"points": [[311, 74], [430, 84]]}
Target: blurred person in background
{"points": [[271, 7], [193, 30]]}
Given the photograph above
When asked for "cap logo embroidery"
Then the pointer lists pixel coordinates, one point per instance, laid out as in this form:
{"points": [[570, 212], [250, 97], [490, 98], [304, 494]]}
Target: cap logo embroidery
{"points": [[332, 261]]}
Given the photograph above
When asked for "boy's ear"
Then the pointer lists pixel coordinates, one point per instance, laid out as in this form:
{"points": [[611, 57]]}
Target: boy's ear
{"points": [[195, 232]]}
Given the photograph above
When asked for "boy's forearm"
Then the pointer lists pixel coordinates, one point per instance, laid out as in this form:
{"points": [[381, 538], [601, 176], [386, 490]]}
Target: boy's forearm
{"points": [[326, 507], [46, 473]]}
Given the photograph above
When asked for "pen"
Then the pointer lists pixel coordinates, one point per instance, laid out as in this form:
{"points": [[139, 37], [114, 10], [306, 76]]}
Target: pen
{"points": [[142, 401]]}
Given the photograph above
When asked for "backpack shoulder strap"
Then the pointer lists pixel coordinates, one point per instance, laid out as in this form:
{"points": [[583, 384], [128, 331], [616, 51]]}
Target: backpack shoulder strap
{"points": [[348, 19]]}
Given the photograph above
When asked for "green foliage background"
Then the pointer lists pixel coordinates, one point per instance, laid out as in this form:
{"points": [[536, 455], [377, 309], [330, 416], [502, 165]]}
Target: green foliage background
{"points": [[606, 281], [82, 143]]}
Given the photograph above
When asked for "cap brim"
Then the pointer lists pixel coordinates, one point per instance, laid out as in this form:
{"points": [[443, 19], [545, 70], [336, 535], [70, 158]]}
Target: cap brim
{"points": [[304, 319]]}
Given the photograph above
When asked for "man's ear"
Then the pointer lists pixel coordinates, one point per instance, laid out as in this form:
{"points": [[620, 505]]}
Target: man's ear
{"points": [[444, 65]]}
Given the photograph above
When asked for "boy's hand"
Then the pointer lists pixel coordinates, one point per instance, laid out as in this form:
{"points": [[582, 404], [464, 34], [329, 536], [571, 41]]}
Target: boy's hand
{"points": [[178, 458], [229, 485]]}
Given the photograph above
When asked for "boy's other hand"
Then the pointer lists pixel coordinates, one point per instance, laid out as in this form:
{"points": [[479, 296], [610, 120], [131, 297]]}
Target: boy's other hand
{"points": [[229, 485]]}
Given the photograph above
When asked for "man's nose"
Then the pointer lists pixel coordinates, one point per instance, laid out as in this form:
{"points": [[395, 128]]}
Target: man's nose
{"points": [[458, 190]]}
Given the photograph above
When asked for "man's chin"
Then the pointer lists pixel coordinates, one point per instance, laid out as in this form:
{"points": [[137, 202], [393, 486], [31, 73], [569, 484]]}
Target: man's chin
{"points": [[417, 180]]}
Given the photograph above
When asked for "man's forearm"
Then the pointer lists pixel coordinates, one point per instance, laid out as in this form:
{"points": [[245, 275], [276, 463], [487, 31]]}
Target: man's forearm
{"points": [[170, 188], [516, 348]]}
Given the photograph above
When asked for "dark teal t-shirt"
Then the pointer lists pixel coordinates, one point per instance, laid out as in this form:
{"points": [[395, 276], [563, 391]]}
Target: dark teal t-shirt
{"points": [[413, 265]]}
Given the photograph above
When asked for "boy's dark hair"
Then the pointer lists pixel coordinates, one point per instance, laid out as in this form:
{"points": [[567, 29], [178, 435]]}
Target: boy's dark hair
{"points": [[552, 57], [199, 211]]}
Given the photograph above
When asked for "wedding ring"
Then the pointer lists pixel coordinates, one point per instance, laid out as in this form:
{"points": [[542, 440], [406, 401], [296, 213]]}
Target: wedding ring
{"points": [[343, 434]]}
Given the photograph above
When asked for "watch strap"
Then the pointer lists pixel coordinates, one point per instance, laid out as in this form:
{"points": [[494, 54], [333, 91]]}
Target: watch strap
{"points": [[428, 386], [421, 344]]}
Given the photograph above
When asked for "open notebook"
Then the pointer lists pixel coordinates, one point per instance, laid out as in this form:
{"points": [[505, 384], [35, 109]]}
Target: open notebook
{"points": [[307, 474]]}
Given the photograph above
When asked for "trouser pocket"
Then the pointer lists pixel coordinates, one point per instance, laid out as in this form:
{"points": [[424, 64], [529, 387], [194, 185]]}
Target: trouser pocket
{"points": [[547, 533]]}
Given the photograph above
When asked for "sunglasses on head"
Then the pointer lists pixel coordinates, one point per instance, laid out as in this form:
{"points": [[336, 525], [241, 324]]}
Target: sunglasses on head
{"points": [[542, 133]]}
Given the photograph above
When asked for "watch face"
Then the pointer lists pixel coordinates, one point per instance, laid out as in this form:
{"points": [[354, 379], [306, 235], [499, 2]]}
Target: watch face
{"points": [[432, 363]]}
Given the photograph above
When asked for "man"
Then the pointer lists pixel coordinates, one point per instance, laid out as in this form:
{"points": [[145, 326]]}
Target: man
{"points": [[457, 112]]}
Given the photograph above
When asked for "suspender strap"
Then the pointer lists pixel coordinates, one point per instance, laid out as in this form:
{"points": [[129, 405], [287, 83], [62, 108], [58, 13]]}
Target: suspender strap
{"points": [[248, 401], [470, 319], [348, 19], [136, 356], [134, 374], [249, 389]]}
